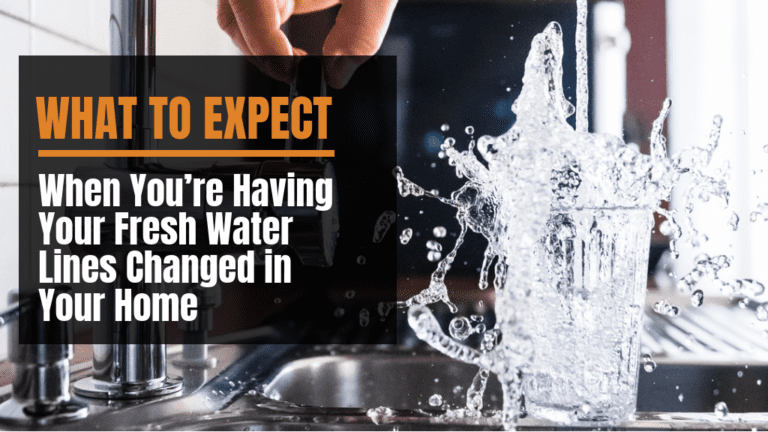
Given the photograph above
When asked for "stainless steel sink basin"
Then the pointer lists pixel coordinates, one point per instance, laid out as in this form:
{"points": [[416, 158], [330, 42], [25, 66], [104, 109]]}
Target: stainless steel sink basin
{"points": [[334, 387], [406, 380], [398, 379], [707, 355]]}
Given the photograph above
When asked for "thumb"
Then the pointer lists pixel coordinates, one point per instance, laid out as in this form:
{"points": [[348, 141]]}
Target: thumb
{"points": [[359, 31]]}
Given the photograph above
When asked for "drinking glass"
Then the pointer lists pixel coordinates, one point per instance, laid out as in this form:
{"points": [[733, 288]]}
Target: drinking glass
{"points": [[587, 309]]}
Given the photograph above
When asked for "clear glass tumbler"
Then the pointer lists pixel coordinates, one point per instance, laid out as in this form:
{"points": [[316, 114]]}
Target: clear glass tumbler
{"points": [[587, 314]]}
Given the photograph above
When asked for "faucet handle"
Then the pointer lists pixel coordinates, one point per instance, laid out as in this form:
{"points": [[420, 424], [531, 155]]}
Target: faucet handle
{"points": [[40, 391]]}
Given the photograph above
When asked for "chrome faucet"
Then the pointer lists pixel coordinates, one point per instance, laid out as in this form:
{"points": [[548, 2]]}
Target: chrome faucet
{"points": [[133, 364], [40, 390]]}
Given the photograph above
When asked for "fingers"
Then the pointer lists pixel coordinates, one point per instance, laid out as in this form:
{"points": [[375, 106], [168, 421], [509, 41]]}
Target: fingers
{"points": [[309, 6], [254, 26], [359, 31], [259, 22]]}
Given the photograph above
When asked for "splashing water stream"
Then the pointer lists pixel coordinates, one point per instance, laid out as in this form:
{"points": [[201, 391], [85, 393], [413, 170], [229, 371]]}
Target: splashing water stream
{"points": [[542, 171]]}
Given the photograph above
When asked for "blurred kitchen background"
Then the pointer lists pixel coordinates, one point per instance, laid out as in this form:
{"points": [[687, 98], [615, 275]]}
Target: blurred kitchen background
{"points": [[460, 63]]}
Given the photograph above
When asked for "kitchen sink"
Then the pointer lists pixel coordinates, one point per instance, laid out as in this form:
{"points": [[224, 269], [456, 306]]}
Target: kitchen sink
{"points": [[703, 357]]}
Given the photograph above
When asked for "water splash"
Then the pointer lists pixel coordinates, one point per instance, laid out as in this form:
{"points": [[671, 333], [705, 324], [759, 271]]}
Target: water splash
{"points": [[539, 164], [380, 415], [477, 390], [543, 167]]}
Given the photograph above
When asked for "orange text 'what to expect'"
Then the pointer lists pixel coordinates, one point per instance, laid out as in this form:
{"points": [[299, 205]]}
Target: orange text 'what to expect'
{"points": [[225, 117]]}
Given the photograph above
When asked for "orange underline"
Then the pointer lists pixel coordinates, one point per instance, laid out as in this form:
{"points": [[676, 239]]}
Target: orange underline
{"points": [[185, 153]]}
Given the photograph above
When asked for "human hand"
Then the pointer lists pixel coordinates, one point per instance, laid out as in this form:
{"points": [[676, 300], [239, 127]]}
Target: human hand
{"points": [[254, 26]]}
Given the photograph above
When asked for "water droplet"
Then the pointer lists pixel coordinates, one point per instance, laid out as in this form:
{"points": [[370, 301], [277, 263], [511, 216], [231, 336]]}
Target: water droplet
{"points": [[365, 317], [457, 389], [439, 231], [489, 340], [665, 228], [406, 235], [338, 313], [441, 155], [469, 130], [740, 374], [733, 222], [460, 328], [478, 318], [480, 328], [680, 397], [721, 410], [510, 89], [252, 392], [511, 38], [448, 143], [664, 308], [361, 260], [349, 294], [383, 223], [278, 300], [762, 313], [380, 414], [476, 390], [434, 256], [445, 127], [697, 298], [435, 246], [648, 364], [759, 382], [435, 400], [435, 192], [754, 216]]}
